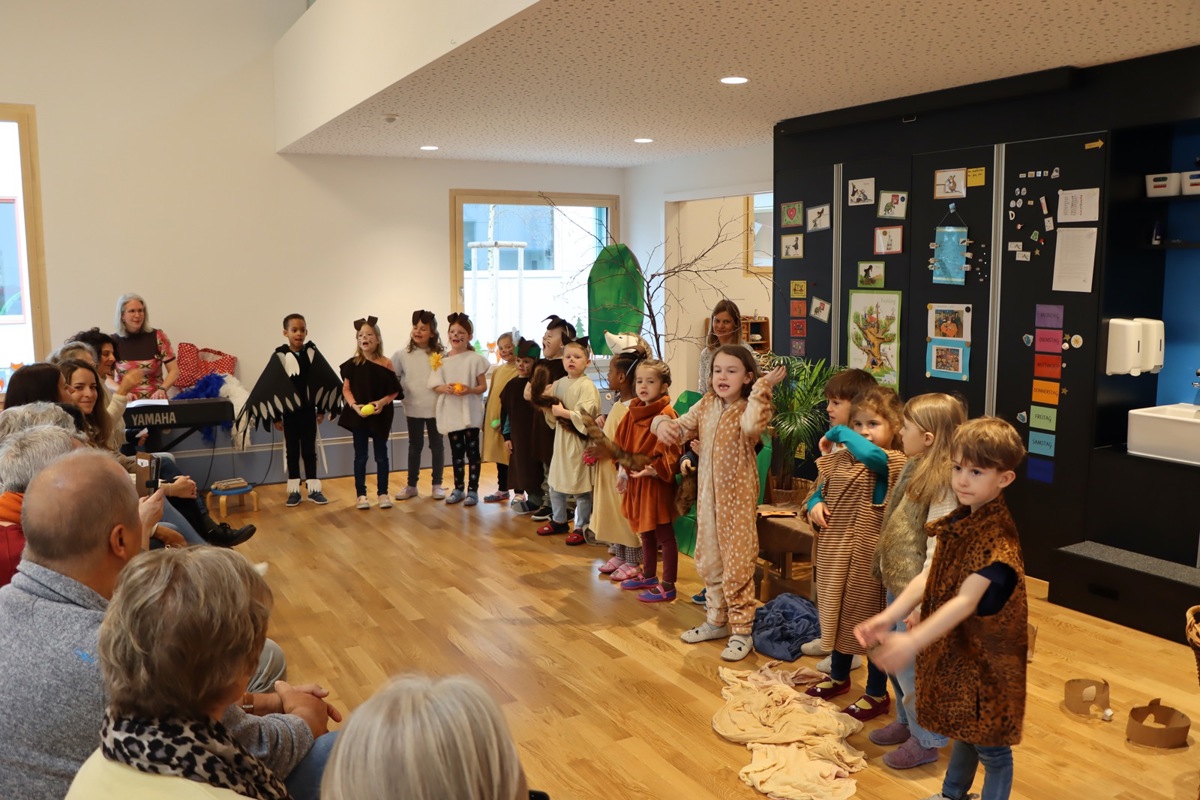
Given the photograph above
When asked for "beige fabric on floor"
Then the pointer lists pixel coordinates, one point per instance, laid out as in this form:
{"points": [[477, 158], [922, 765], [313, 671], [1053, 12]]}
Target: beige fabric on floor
{"points": [[797, 743]]}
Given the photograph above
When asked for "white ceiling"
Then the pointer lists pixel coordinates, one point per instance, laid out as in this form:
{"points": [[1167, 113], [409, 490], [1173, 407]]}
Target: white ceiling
{"points": [[575, 81]]}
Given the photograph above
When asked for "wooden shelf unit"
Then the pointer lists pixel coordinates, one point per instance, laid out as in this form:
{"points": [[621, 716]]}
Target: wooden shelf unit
{"points": [[760, 326]]}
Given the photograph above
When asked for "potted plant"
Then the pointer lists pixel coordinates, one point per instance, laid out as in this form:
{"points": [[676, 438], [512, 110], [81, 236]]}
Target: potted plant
{"points": [[800, 419]]}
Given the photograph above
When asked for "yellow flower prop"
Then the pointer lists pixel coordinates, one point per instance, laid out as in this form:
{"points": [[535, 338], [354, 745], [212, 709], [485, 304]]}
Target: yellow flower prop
{"points": [[435, 361]]}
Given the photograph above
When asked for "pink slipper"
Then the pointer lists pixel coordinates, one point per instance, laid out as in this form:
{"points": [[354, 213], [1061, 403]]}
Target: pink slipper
{"points": [[626, 572], [612, 565]]}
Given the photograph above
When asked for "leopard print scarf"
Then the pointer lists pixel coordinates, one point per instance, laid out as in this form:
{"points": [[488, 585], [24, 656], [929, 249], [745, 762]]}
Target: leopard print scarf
{"points": [[199, 750]]}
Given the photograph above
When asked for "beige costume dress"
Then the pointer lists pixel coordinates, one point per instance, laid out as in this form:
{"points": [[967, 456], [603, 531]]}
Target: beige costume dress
{"points": [[608, 522], [568, 473], [493, 440], [727, 500]]}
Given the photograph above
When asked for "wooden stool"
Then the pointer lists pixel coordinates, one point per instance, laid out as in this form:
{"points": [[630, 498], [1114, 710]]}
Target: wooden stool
{"points": [[240, 493], [785, 558]]}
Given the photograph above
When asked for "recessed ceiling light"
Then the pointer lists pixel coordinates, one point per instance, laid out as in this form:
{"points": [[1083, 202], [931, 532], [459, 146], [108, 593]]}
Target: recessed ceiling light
{"points": [[734, 80], [429, 147], [643, 141]]}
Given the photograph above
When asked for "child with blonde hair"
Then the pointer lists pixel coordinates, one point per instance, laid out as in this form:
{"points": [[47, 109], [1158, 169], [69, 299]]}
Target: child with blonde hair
{"points": [[729, 422], [412, 367], [573, 396], [848, 504], [460, 379], [649, 493], [493, 438], [922, 495], [369, 386]]}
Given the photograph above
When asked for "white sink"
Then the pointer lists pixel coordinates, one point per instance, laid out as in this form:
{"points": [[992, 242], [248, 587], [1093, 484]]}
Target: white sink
{"points": [[1170, 433]]}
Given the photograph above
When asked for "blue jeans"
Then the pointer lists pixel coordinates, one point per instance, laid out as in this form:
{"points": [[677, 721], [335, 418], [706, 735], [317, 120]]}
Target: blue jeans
{"points": [[905, 684], [583, 508], [304, 782], [965, 759], [361, 437], [416, 442]]}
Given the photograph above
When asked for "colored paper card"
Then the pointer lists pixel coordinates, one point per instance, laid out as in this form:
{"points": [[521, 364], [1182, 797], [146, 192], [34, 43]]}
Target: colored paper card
{"points": [[950, 255], [1045, 392], [1039, 469], [948, 358], [1041, 443], [1047, 366], [800, 327], [1048, 341], [791, 215], [1042, 417], [799, 308], [976, 176], [799, 289], [799, 350], [1049, 316]]}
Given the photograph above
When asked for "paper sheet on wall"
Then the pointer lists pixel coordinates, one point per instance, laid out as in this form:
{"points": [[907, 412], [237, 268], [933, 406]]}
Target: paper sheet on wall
{"points": [[1079, 205], [1074, 259]]}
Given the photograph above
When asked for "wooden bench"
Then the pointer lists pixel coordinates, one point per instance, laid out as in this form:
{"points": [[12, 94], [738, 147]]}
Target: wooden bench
{"points": [[785, 557]]}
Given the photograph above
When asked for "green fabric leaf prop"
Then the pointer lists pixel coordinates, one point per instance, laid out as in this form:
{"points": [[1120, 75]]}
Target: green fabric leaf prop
{"points": [[615, 295]]}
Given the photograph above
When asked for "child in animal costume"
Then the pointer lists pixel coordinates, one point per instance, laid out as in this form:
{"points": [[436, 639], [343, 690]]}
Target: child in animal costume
{"points": [[649, 493], [848, 505], [460, 379], [517, 420], [558, 333], [576, 402], [729, 422], [369, 386], [922, 495], [971, 644], [493, 440], [609, 523], [412, 366]]}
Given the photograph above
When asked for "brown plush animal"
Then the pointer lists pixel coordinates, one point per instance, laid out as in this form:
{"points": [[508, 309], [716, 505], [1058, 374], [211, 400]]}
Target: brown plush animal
{"points": [[689, 484], [538, 382], [632, 462]]}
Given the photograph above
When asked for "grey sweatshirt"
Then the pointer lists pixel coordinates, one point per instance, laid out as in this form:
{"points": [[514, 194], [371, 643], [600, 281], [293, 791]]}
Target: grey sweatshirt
{"points": [[52, 696]]}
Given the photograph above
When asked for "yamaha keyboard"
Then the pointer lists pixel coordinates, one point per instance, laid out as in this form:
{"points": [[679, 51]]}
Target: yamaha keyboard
{"points": [[192, 415]]}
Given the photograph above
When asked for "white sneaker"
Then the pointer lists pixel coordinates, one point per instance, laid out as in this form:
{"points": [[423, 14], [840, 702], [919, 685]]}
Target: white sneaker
{"points": [[704, 632], [385, 501], [439, 492], [814, 648], [406, 493], [362, 503], [826, 664], [740, 645]]}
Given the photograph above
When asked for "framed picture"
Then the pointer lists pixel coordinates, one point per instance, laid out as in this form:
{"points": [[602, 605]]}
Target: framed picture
{"points": [[820, 309], [791, 245], [870, 274], [819, 218], [889, 241], [949, 321], [873, 333], [950, 183], [791, 215], [860, 192], [799, 289], [799, 308], [893, 205], [799, 327], [799, 349], [949, 359]]}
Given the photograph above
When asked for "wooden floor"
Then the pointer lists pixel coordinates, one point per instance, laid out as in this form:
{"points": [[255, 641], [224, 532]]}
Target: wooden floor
{"points": [[603, 698]]}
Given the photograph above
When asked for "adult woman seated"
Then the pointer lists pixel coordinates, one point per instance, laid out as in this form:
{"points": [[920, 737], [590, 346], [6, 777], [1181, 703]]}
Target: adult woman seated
{"points": [[142, 347], [105, 348], [72, 349], [421, 737], [191, 518], [34, 383], [181, 638]]}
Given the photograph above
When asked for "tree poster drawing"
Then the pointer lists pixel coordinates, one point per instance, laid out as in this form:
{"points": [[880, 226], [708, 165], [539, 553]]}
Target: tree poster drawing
{"points": [[874, 335]]}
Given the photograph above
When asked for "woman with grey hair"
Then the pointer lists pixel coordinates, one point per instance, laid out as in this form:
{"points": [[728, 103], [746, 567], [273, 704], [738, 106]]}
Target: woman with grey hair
{"points": [[144, 348], [181, 637], [426, 739]]}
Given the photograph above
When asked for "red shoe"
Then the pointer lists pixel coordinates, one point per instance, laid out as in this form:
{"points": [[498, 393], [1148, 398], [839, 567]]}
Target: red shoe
{"points": [[828, 688], [552, 527], [873, 707], [575, 538]]}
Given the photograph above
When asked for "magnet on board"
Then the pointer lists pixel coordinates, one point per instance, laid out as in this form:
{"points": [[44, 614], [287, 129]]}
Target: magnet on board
{"points": [[1027, 339], [1054, 173], [1077, 341], [1022, 416]]}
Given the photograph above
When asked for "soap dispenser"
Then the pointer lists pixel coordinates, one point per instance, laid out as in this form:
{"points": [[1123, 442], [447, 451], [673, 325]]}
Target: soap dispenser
{"points": [[1153, 337], [1124, 347]]}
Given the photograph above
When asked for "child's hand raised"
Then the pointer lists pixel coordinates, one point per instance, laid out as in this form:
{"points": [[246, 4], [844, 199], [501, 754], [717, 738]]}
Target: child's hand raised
{"points": [[825, 446], [669, 432], [775, 376]]}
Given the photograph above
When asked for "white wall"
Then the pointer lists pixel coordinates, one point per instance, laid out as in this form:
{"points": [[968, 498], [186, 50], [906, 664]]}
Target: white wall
{"points": [[651, 191], [159, 176]]}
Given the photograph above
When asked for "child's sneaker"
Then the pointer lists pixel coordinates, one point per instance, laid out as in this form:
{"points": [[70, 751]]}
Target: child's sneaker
{"points": [[910, 754], [522, 507], [496, 497], [551, 528], [705, 632], [826, 664], [813, 648], [316, 496], [472, 499], [542, 514], [639, 583], [702, 598], [439, 492], [385, 501], [894, 733], [407, 493], [362, 504], [657, 594], [457, 496], [293, 499], [611, 566], [739, 646]]}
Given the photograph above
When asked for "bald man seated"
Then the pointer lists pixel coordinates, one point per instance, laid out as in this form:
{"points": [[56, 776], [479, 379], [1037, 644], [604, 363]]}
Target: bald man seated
{"points": [[81, 521]]}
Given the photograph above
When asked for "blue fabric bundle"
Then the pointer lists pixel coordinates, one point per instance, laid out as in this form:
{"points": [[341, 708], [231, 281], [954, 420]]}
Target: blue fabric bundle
{"points": [[783, 624], [208, 387]]}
